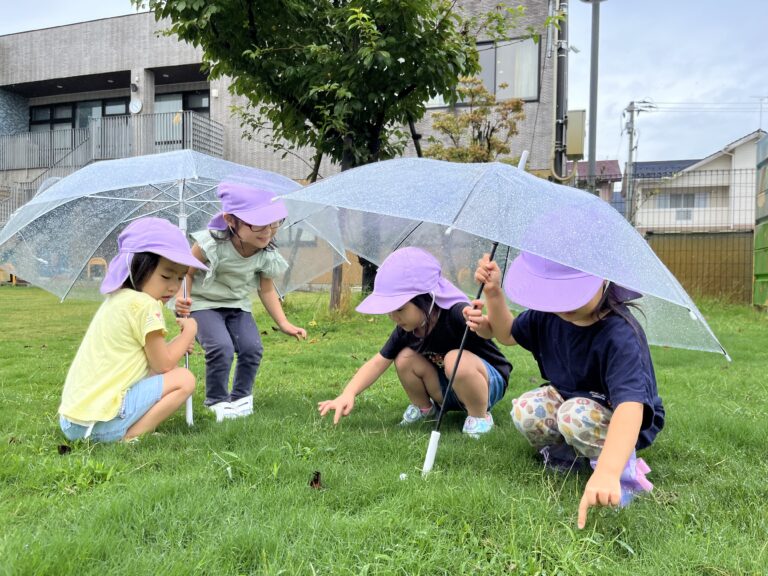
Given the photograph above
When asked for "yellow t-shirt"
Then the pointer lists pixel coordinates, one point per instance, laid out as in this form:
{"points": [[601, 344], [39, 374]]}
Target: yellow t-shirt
{"points": [[111, 357]]}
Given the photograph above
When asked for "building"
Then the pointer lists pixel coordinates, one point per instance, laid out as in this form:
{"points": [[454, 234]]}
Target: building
{"points": [[714, 194], [116, 87]]}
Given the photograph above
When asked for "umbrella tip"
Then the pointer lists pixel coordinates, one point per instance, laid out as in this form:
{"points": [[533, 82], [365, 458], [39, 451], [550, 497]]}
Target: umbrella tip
{"points": [[448, 230]]}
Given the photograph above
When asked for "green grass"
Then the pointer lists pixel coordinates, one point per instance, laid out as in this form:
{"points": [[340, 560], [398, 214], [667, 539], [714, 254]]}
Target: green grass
{"points": [[233, 498]]}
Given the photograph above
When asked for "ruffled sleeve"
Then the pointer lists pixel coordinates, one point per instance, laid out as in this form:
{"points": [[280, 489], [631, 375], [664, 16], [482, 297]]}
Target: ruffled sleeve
{"points": [[273, 265], [207, 244]]}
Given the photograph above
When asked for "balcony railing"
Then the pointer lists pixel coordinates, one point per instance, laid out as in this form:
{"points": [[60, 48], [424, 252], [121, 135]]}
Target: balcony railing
{"points": [[61, 152], [113, 137]]}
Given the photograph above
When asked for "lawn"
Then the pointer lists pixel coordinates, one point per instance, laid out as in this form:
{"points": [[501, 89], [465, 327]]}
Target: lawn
{"points": [[234, 498]]}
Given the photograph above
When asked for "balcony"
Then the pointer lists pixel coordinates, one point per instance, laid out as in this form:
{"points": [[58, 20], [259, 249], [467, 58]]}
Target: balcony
{"points": [[58, 153]]}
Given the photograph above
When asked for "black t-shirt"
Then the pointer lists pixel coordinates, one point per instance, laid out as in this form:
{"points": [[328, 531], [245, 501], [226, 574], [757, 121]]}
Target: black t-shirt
{"points": [[444, 337], [608, 361]]}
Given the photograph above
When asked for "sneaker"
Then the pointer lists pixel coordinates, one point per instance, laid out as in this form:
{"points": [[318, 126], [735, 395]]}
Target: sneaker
{"points": [[243, 406], [223, 411], [562, 458], [415, 414], [474, 427]]}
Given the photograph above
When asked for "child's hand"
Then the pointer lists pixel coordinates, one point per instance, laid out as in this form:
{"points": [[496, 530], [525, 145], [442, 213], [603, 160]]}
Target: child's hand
{"points": [[183, 305], [476, 321], [342, 406], [291, 330], [602, 490], [488, 273], [188, 327]]}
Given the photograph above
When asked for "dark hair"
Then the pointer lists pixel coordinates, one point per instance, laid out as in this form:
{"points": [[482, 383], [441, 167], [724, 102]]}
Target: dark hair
{"points": [[143, 264], [222, 235], [610, 303]]}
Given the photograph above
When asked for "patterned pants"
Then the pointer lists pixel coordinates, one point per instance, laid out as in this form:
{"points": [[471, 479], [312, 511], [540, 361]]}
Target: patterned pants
{"points": [[544, 418]]}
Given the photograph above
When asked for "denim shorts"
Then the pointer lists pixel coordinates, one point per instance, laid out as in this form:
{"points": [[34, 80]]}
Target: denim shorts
{"points": [[496, 389], [138, 400]]}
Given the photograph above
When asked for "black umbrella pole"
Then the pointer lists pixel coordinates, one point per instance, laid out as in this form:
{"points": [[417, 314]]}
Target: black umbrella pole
{"points": [[435, 437]]}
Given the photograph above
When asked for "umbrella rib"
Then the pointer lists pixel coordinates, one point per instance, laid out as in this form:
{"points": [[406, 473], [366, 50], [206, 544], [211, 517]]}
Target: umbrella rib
{"points": [[404, 238], [468, 196]]}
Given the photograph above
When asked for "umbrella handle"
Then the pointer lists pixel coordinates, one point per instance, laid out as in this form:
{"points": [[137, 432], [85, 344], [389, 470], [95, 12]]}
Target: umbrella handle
{"points": [[188, 409], [429, 460], [458, 356]]}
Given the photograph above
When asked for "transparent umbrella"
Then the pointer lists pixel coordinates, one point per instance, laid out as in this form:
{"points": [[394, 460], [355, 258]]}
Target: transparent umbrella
{"points": [[454, 210], [62, 239]]}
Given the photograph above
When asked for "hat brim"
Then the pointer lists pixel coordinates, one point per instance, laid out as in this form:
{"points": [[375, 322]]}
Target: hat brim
{"points": [[263, 215], [548, 294], [185, 258], [376, 304]]}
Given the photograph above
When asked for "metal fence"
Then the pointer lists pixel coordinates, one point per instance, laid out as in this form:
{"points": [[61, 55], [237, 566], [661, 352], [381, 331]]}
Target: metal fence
{"points": [[61, 152], [699, 223]]}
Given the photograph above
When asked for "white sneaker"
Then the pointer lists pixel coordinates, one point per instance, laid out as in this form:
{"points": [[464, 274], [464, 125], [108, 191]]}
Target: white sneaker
{"points": [[223, 411], [414, 414], [243, 407]]}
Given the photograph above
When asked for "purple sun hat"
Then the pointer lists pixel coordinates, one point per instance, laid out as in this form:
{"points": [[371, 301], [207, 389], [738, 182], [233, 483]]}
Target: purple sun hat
{"points": [[252, 205], [406, 273], [540, 284], [155, 235]]}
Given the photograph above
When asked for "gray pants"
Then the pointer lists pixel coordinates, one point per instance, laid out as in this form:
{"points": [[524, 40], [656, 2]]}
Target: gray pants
{"points": [[224, 332]]}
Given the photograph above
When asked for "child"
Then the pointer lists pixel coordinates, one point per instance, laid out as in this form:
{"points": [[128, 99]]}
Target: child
{"points": [[239, 250], [427, 309], [124, 380], [601, 398]]}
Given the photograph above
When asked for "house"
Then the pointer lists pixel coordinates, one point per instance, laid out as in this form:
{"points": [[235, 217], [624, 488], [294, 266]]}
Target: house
{"points": [[607, 174], [116, 87], [713, 194]]}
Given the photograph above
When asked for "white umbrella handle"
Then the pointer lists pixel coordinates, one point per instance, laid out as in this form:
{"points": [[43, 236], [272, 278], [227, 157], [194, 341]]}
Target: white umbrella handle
{"points": [[429, 459], [189, 415]]}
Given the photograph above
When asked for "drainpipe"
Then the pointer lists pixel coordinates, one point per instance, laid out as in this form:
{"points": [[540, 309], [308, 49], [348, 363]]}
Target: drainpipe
{"points": [[561, 93]]}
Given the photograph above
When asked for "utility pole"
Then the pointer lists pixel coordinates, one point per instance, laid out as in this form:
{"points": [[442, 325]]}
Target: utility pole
{"points": [[595, 46], [561, 105], [629, 172]]}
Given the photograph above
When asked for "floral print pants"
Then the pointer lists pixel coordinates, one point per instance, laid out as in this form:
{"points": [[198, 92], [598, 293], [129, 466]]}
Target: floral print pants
{"points": [[544, 418]]}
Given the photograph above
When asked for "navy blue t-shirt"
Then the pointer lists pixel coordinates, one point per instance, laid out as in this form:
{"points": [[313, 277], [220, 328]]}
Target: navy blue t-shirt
{"points": [[608, 362], [444, 337]]}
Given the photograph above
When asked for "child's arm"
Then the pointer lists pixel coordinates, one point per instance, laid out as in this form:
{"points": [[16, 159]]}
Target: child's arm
{"points": [[183, 303], [163, 356], [603, 487], [499, 320], [363, 378], [268, 296]]}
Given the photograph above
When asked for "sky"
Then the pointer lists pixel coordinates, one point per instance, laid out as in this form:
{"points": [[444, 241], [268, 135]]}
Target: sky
{"points": [[699, 63]]}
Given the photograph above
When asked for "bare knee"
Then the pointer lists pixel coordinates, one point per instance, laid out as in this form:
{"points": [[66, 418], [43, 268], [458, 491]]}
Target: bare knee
{"points": [[181, 380], [405, 360]]}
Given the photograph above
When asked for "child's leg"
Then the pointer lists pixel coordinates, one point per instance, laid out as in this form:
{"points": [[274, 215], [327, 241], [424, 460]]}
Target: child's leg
{"points": [[584, 425], [247, 341], [534, 414], [419, 378], [470, 383], [219, 352], [178, 385]]}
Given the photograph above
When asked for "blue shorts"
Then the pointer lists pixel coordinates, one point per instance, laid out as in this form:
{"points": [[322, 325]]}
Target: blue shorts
{"points": [[496, 389], [138, 400]]}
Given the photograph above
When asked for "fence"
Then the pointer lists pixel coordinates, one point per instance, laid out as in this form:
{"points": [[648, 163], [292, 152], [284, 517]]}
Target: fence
{"points": [[61, 152], [700, 224]]}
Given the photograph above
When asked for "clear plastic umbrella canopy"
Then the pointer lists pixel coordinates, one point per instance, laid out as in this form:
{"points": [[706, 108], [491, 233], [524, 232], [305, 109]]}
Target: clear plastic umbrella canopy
{"points": [[61, 239], [456, 211]]}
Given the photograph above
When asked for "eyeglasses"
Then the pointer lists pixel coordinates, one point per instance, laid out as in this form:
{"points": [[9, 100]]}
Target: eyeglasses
{"points": [[274, 226]]}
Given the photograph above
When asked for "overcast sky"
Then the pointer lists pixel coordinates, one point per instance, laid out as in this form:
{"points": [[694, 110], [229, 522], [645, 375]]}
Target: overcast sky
{"points": [[702, 62]]}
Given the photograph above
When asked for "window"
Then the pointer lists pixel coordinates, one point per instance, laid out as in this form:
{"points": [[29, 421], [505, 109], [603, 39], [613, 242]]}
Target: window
{"points": [[74, 114], [685, 200], [513, 62]]}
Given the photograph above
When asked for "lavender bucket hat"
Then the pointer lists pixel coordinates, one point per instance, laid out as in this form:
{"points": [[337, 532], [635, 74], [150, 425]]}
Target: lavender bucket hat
{"points": [[251, 205], [406, 273], [155, 235], [540, 284]]}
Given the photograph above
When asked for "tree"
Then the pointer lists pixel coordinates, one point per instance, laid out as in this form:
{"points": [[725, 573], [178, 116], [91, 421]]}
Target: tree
{"points": [[338, 76], [479, 132]]}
